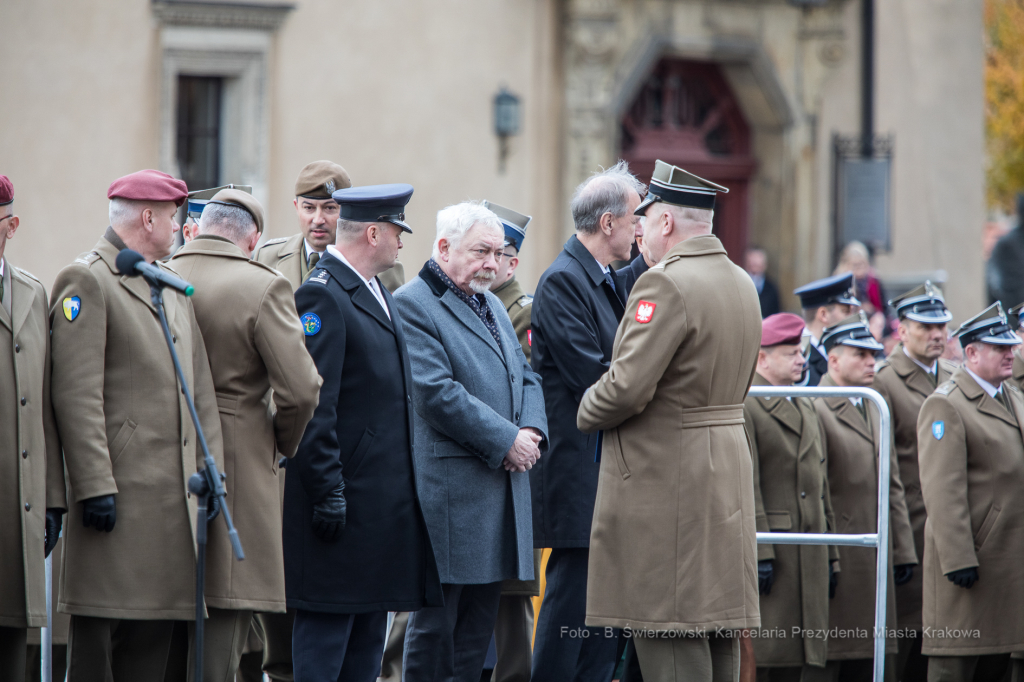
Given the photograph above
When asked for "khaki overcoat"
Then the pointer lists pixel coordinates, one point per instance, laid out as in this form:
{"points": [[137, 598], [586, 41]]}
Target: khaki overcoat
{"points": [[255, 342], [126, 431], [1017, 379], [31, 468], [673, 543], [791, 495], [286, 255], [851, 447], [904, 384], [519, 305], [972, 477]]}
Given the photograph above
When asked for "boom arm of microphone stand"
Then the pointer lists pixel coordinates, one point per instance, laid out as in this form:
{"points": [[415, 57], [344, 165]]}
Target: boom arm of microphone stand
{"points": [[213, 475]]}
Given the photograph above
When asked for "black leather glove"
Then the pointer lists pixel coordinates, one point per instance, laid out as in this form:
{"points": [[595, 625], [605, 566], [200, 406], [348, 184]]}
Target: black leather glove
{"points": [[902, 573], [99, 513], [965, 577], [212, 507], [833, 580], [329, 514], [54, 520], [765, 576]]}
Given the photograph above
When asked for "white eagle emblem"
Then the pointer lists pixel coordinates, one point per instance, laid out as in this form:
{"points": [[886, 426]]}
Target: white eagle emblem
{"points": [[645, 311]]}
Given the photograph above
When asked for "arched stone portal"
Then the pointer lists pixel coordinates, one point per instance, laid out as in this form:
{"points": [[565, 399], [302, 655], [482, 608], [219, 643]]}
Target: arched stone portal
{"points": [[686, 114]]}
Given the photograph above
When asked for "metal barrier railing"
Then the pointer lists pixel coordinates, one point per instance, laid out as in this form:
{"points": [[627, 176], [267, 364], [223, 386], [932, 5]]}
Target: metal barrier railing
{"points": [[880, 539]]}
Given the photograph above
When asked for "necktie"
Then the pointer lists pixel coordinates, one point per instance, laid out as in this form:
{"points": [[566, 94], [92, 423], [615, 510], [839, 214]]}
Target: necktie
{"points": [[863, 410], [1003, 400], [314, 258], [611, 282]]}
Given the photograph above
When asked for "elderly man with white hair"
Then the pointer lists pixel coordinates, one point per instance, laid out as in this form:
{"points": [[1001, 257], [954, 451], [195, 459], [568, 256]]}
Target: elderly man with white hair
{"points": [[479, 427]]}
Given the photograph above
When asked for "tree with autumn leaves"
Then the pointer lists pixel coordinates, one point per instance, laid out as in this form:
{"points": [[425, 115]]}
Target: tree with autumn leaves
{"points": [[1004, 101]]}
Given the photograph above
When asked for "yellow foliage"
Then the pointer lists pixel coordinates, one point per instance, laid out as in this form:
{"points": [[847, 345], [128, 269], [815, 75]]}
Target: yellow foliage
{"points": [[1004, 100]]}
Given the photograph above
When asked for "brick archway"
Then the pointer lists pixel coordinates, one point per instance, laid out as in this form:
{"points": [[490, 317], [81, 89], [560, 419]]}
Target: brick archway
{"points": [[686, 114]]}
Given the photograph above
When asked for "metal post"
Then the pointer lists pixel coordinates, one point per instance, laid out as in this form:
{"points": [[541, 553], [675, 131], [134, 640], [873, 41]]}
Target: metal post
{"points": [[46, 634], [867, 76], [880, 540]]}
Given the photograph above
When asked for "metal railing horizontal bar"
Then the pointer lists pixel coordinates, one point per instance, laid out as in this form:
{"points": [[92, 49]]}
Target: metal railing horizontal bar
{"points": [[879, 540], [865, 540]]}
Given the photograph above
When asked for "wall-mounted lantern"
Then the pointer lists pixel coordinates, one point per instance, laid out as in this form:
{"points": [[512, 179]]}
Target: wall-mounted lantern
{"points": [[506, 122]]}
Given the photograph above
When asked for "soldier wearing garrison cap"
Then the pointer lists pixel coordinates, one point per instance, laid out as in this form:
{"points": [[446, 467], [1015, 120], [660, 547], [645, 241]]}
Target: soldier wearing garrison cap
{"points": [[129, 443], [825, 302], [246, 311], [296, 256], [197, 201], [31, 468], [350, 504], [851, 428], [971, 456], [671, 408], [905, 379], [790, 495]]}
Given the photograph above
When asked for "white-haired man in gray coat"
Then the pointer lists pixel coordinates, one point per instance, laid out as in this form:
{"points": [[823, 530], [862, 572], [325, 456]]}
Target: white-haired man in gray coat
{"points": [[479, 427]]}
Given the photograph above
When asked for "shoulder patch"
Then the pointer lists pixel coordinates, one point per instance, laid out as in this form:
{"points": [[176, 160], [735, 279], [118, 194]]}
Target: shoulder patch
{"points": [[946, 387], [938, 429], [524, 300], [310, 323], [72, 305], [645, 311]]}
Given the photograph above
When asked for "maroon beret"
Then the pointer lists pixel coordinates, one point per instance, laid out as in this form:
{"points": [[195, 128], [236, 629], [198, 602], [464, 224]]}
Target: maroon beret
{"points": [[6, 190], [781, 328], [149, 185]]}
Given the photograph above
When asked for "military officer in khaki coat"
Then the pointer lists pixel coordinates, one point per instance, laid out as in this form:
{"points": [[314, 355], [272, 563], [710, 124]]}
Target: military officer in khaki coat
{"points": [[851, 428], [905, 379], [972, 475], [676, 474], [296, 256], [31, 468], [791, 495], [1017, 379], [129, 443], [246, 311]]}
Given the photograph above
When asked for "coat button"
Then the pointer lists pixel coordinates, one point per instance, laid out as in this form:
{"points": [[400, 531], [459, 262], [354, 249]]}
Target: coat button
{"points": [[23, 401], [822, 460], [174, 339], [17, 348], [186, 442], [517, 415], [513, 378], [28, 507], [24, 454], [803, 494]]}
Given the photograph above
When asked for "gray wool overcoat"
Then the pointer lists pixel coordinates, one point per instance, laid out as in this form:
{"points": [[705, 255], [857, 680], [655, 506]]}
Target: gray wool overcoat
{"points": [[470, 398]]}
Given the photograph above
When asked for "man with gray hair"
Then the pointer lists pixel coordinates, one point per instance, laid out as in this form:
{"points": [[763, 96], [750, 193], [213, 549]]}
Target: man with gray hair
{"points": [[253, 338], [576, 311], [480, 426]]}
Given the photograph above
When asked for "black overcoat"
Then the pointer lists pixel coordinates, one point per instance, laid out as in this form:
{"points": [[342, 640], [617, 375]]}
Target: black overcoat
{"points": [[575, 316], [361, 431]]}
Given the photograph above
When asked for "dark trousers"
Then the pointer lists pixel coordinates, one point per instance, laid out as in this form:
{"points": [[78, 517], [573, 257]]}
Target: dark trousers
{"points": [[564, 648], [58, 663], [12, 652], [987, 668], [277, 644], [911, 664], [338, 647], [105, 649], [513, 632], [450, 642]]}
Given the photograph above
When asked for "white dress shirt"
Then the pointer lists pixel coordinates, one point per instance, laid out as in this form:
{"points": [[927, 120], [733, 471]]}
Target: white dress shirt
{"points": [[371, 283], [930, 370], [989, 388]]}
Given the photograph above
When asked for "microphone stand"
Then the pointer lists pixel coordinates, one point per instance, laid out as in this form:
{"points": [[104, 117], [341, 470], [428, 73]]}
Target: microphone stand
{"points": [[202, 484]]}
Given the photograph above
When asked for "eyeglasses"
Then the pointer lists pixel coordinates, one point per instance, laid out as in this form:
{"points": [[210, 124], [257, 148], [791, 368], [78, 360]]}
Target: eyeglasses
{"points": [[481, 254]]}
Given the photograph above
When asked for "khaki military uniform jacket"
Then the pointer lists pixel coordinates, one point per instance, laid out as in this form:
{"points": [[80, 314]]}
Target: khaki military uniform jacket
{"points": [[287, 255], [791, 496], [673, 543], [1017, 379], [255, 342], [851, 447], [905, 385], [126, 431], [31, 468], [519, 305], [972, 477]]}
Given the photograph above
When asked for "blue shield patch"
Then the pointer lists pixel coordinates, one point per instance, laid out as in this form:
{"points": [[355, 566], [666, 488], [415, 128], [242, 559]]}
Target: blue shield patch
{"points": [[938, 429], [310, 324], [72, 306]]}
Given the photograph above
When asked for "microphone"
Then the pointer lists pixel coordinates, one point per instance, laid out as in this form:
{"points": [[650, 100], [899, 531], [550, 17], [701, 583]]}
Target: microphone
{"points": [[131, 263]]}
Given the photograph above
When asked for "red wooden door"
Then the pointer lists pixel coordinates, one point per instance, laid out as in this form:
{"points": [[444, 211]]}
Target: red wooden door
{"points": [[686, 115]]}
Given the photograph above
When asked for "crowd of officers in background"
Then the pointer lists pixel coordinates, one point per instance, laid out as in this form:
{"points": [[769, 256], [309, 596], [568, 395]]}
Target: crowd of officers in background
{"points": [[93, 426]]}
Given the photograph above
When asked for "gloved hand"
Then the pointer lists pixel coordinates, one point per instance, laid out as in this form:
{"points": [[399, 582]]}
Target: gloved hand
{"points": [[99, 513], [965, 577], [329, 514], [833, 580], [902, 573], [212, 507], [54, 520], [765, 576]]}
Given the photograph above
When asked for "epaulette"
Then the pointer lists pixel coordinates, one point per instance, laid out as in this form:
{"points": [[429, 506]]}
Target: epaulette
{"points": [[882, 365], [27, 274], [1011, 386], [524, 300], [88, 259], [275, 240], [948, 364], [320, 276], [265, 267], [166, 266], [946, 387]]}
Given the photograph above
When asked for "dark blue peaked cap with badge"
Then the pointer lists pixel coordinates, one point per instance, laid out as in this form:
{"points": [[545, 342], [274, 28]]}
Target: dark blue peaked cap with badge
{"points": [[375, 203], [837, 289], [514, 223], [852, 331], [673, 185], [989, 326]]}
